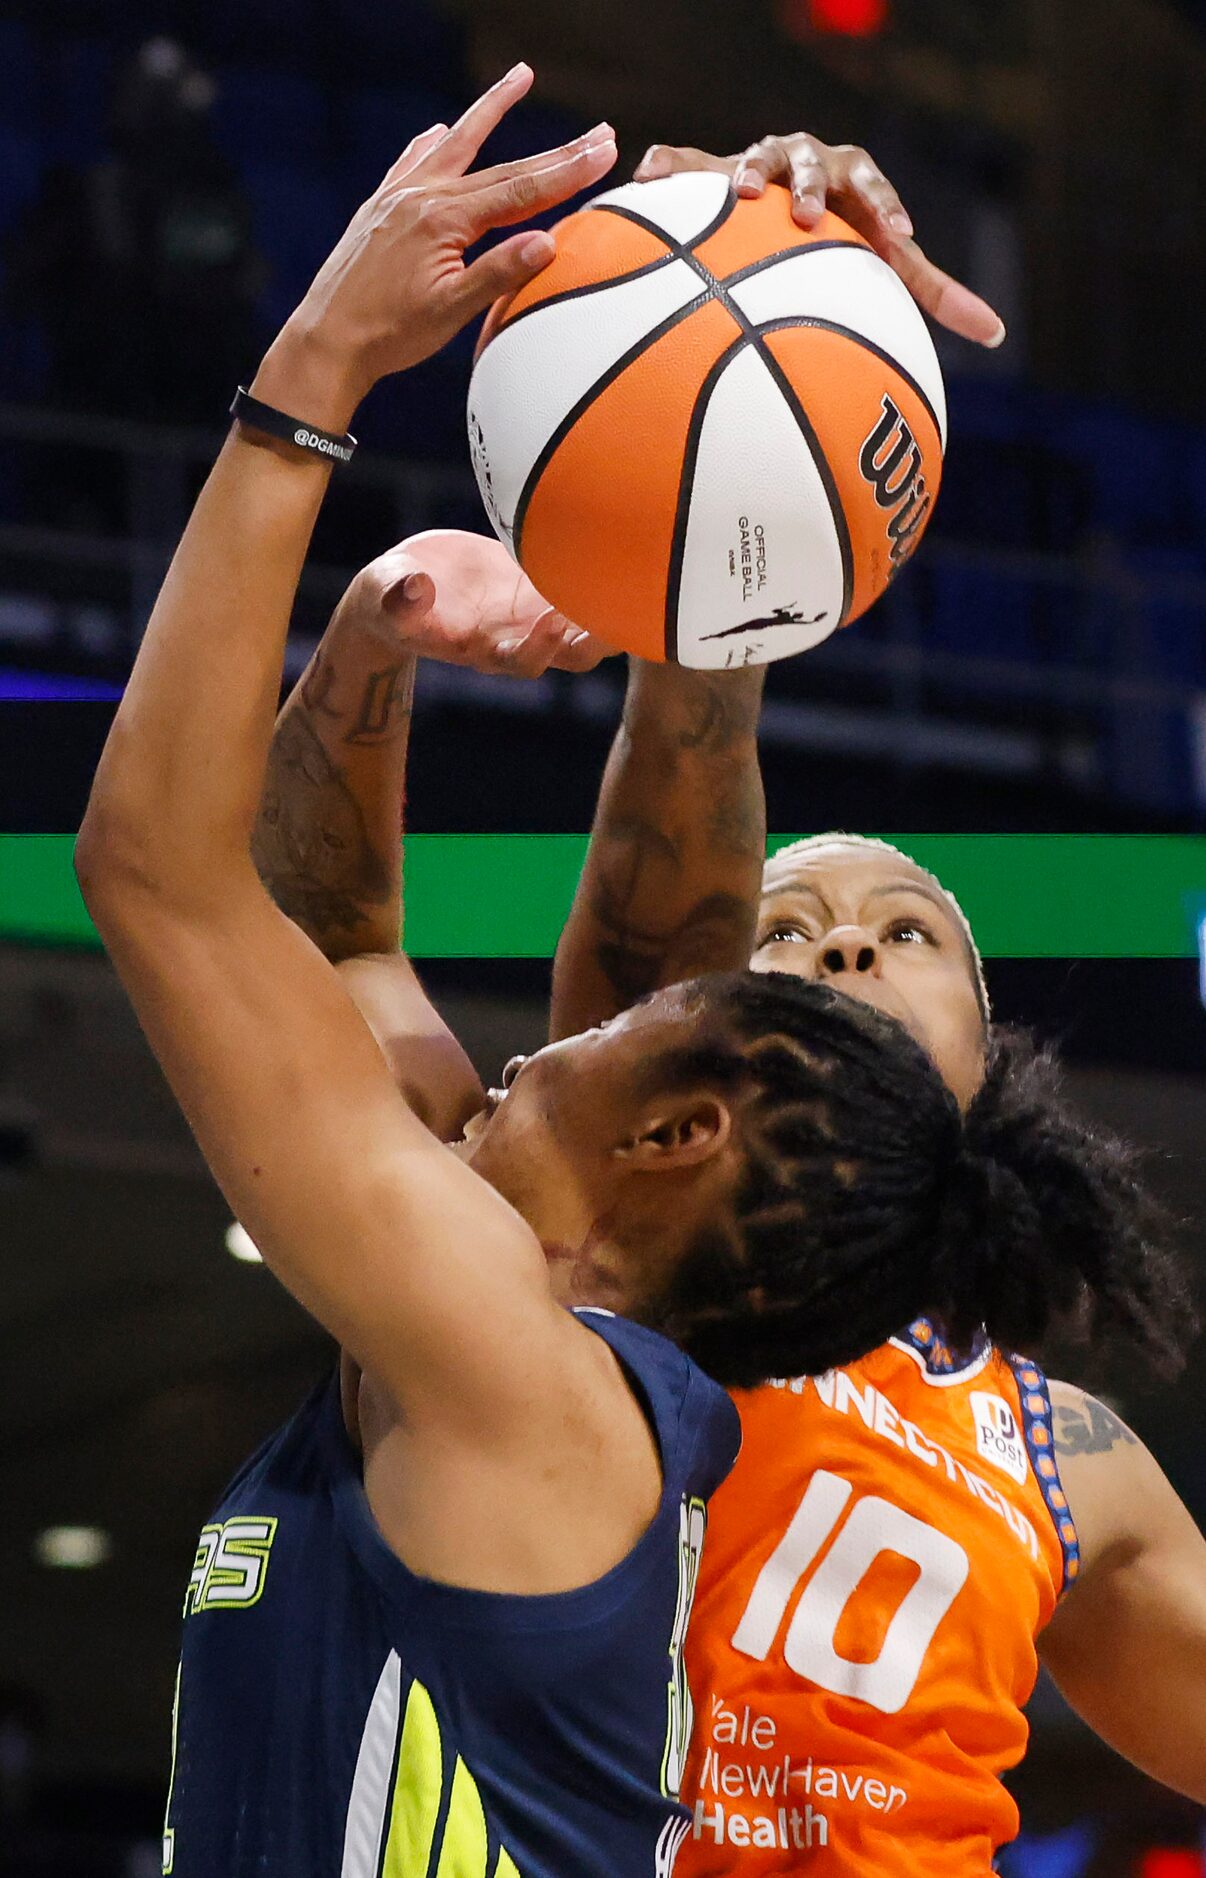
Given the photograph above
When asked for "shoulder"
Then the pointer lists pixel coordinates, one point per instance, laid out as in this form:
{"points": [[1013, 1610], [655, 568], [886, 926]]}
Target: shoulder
{"points": [[1117, 1493], [1085, 1426], [695, 1421]]}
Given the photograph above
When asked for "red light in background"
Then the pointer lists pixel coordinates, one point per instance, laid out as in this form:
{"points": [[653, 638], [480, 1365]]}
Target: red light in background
{"points": [[1172, 1864], [858, 19]]}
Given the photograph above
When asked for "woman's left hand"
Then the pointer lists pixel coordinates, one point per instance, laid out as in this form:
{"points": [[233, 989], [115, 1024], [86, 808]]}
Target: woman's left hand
{"points": [[461, 599], [397, 286]]}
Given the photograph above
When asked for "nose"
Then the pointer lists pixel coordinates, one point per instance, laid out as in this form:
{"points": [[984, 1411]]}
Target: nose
{"points": [[847, 949], [512, 1070]]}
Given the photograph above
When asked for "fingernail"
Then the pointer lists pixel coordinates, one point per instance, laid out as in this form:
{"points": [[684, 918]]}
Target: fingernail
{"points": [[745, 177], [998, 337], [810, 205], [505, 647], [899, 221], [600, 134], [517, 71], [540, 247], [412, 587]]}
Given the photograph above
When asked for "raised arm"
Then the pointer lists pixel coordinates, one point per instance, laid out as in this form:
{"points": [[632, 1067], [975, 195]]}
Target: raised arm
{"points": [[419, 1268], [328, 838], [671, 881], [1128, 1644], [672, 875]]}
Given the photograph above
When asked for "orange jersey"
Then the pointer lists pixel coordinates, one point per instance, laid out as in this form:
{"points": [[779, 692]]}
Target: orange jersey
{"points": [[877, 1568]]}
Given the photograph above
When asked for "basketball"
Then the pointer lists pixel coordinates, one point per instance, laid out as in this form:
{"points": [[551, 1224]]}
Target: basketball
{"points": [[706, 434]]}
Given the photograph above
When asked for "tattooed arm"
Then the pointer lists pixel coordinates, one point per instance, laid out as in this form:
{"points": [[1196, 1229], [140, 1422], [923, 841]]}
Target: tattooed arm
{"points": [[1127, 1646], [671, 881], [328, 838]]}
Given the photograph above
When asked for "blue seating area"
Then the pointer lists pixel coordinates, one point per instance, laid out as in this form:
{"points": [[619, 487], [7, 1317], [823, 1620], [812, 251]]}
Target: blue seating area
{"points": [[312, 104], [314, 101]]}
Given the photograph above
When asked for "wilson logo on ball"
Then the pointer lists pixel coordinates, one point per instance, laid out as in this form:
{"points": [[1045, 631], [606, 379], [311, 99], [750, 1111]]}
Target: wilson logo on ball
{"points": [[890, 461]]}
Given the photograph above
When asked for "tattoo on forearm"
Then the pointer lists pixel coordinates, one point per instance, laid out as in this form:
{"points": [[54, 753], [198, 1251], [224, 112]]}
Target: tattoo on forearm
{"points": [[721, 711], [634, 954], [711, 712], [1090, 1429], [382, 708], [311, 844], [317, 686], [635, 962], [386, 702], [737, 818]]}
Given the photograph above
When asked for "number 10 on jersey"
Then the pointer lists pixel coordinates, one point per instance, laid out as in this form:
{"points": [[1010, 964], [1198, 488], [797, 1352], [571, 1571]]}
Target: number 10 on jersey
{"points": [[874, 1526]]}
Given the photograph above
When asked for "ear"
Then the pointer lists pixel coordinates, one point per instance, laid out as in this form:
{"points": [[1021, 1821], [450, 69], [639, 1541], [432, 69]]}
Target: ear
{"points": [[678, 1134]]}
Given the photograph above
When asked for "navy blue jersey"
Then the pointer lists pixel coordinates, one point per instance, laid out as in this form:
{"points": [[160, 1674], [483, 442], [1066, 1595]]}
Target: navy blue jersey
{"points": [[338, 1716]]}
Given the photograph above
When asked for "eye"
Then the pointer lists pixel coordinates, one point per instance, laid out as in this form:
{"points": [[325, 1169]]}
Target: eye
{"points": [[910, 932], [783, 932]]}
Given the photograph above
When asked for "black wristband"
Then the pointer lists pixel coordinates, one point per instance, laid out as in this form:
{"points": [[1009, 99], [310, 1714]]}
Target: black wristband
{"points": [[274, 423]]}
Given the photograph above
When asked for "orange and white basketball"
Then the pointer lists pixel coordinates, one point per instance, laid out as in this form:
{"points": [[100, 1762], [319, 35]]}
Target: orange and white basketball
{"points": [[705, 433]]}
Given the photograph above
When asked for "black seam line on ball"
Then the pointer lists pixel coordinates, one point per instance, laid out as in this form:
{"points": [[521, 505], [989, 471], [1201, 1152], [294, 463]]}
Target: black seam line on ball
{"points": [[685, 251], [678, 541], [790, 254], [556, 437], [654, 228], [868, 345], [714, 289], [580, 293], [828, 481], [718, 290], [635, 273], [682, 509]]}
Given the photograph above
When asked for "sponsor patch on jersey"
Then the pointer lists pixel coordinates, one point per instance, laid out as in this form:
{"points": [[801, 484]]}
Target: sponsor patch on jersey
{"points": [[999, 1439]]}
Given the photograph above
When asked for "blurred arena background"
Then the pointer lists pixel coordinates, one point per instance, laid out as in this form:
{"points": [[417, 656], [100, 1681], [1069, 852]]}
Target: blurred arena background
{"points": [[170, 175]]}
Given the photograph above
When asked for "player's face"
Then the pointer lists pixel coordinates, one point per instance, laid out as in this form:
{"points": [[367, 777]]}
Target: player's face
{"points": [[874, 927], [556, 1142]]}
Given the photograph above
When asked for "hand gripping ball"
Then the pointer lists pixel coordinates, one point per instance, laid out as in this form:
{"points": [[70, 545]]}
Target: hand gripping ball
{"points": [[706, 434]]}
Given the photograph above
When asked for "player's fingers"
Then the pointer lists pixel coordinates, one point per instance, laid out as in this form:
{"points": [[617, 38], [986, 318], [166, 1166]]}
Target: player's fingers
{"points": [[945, 299], [528, 192], [408, 595], [810, 179], [466, 137], [535, 165], [868, 200], [418, 148], [665, 159], [503, 270], [527, 655], [580, 651], [766, 161]]}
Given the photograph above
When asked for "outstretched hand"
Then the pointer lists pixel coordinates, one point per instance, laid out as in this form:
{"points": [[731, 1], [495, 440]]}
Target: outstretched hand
{"points": [[461, 599], [845, 179], [397, 286]]}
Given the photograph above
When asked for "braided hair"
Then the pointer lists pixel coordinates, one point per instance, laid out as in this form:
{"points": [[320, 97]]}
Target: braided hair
{"points": [[867, 1198]]}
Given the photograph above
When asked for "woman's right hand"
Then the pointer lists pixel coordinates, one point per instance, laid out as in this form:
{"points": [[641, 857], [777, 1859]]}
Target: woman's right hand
{"points": [[841, 177], [397, 287]]}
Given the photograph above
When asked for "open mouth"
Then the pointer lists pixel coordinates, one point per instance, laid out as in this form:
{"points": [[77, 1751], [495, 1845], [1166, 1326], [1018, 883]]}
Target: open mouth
{"points": [[477, 1123]]}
